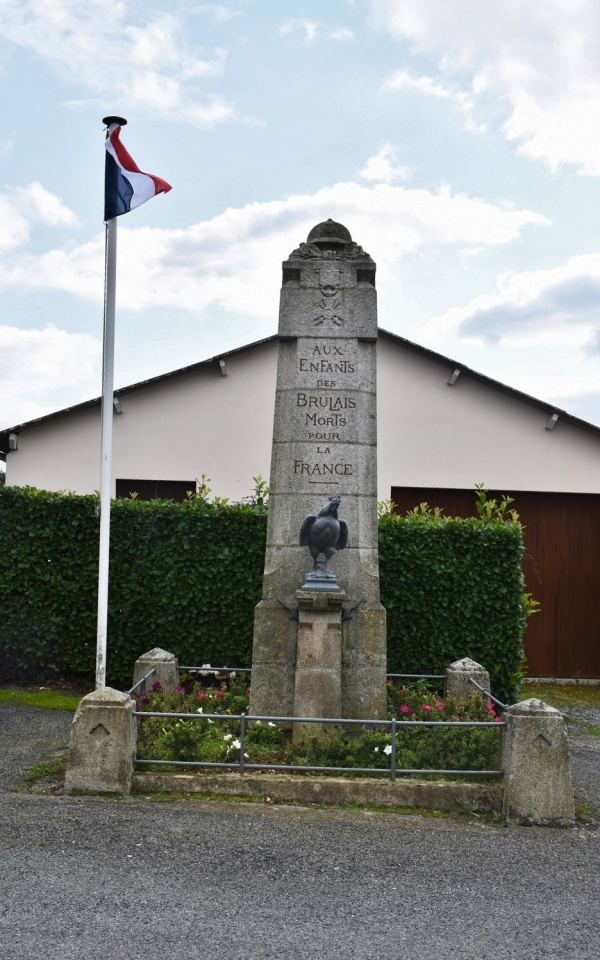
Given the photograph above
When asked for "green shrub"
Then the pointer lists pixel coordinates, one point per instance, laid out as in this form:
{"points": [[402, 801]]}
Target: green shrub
{"points": [[187, 576], [209, 740], [452, 588]]}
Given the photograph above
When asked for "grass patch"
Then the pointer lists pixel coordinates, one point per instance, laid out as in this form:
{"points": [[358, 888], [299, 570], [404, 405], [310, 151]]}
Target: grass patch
{"points": [[44, 699], [45, 777], [563, 697]]}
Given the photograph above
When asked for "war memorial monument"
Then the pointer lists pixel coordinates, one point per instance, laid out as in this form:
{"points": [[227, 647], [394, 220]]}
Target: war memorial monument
{"points": [[319, 647]]}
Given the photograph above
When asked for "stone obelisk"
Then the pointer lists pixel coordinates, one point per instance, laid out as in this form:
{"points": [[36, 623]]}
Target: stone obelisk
{"points": [[324, 443]]}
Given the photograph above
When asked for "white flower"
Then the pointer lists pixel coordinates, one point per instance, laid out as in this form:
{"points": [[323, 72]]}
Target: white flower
{"points": [[376, 749], [246, 757], [271, 724], [211, 721], [199, 710], [228, 736], [232, 674], [387, 750], [236, 744]]}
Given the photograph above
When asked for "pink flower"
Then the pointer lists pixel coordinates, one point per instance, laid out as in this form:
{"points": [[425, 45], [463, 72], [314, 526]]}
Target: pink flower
{"points": [[497, 719], [201, 695], [157, 685], [425, 706], [405, 709], [439, 706], [219, 693]]}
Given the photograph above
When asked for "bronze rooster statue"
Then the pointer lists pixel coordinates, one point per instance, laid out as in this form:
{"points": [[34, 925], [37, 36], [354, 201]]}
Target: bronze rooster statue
{"points": [[324, 534]]}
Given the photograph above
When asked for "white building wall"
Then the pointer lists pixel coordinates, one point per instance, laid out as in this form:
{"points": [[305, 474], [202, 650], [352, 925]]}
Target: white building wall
{"points": [[430, 434], [435, 435], [175, 429]]}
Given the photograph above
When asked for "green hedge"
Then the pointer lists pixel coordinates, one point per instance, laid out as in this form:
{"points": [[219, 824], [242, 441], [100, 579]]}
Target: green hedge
{"points": [[452, 588], [186, 577]]}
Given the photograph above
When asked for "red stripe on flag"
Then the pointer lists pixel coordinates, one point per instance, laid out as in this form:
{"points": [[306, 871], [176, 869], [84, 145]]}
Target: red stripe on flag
{"points": [[128, 163]]}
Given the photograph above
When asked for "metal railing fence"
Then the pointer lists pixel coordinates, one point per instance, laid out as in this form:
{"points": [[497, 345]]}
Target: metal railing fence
{"points": [[141, 683], [242, 765]]}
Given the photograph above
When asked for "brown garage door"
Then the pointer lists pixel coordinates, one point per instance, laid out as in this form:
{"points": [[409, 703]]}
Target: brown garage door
{"points": [[561, 564]]}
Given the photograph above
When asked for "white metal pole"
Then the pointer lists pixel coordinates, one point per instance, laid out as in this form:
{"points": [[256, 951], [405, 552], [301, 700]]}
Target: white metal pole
{"points": [[106, 448]]}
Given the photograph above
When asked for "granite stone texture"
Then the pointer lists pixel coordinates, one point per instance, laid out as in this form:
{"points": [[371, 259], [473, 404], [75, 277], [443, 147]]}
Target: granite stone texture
{"points": [[102, 744], [165, 666], [324, 443], [459, 675], [535, 763]]}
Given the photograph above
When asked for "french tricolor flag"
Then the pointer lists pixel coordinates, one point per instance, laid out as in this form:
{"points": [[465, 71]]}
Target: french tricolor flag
{"points": [[125, 185]]}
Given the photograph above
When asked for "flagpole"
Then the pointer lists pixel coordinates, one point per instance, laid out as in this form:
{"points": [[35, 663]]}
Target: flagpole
{"points": [[108, 364]]}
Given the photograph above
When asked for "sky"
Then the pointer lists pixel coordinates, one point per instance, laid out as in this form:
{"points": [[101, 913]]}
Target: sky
{"points": [[458, 142]]}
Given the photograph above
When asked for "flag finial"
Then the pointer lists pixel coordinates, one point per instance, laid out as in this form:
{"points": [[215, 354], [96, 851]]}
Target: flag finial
{"points": [[108, 121]]}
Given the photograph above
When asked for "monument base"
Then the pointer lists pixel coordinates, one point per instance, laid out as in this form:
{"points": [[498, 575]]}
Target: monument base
{"points": [[318, 683], [321, 584]]}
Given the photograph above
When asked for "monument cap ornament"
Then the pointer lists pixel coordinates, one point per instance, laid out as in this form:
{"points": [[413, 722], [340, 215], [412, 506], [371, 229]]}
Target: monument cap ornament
{"points": [[329, 232]]}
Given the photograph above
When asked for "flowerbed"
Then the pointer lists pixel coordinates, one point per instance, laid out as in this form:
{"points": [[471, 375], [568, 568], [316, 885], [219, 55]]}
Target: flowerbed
{"points": [[211, 732]]}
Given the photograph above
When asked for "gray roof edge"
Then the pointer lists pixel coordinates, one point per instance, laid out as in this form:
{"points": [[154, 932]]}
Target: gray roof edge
{"points": [[409, 344], [121, 391], [497, 384]]}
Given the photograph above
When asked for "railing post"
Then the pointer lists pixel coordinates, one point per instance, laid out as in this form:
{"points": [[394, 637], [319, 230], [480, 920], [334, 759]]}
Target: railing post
{"points": [[242, 741], [535, 762], [393, 757], [102, 745], [458, 677], [166, 668]]}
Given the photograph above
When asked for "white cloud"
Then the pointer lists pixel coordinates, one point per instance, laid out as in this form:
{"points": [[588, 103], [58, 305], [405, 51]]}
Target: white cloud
{"points": [[558, 308], [14, 227], [228, 261], [22, 206], [542, 61], [314, 29], [95, 45], [382, 168], [427, 86], [42, 205], [218, 12], [41, 369]]}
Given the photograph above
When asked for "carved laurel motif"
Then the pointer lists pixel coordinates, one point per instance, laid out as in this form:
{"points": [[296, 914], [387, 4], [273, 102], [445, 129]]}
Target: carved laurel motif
{"points": [[348, 251]]}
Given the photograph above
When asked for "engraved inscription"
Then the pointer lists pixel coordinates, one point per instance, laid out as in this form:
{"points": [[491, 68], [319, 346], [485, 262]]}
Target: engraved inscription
{"points": [[325, 402], [323, 410], [323, 469]]}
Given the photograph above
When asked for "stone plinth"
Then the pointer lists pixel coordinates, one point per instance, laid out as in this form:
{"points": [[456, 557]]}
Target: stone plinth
{"points": [[324, 443], [535, 762], [165, 666], [318, 681], [102, 746], [459, 675]]}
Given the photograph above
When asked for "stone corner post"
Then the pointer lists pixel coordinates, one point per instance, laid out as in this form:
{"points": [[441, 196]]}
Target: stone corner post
{"points": [[535, 763], [165, 665], [458, 677], [102, 746]]}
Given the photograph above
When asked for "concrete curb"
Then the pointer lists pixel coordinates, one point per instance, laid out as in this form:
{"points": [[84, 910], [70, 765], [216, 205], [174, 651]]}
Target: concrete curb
{"points": [[426, 794]]}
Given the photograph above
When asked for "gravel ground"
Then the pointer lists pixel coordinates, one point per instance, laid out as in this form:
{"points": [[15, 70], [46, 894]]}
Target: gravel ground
{"points": [[29, 735], [141, 878]]}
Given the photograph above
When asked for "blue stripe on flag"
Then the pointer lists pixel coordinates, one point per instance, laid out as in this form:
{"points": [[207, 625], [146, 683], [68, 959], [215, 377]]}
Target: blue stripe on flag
{"points": [[117, 190]]}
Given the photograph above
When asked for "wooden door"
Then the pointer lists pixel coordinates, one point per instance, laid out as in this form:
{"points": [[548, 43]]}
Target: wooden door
{"points": [[561, 566]]}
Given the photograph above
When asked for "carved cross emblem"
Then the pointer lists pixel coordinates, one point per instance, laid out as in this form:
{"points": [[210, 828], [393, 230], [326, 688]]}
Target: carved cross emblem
{"points": [[328, 305]]}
